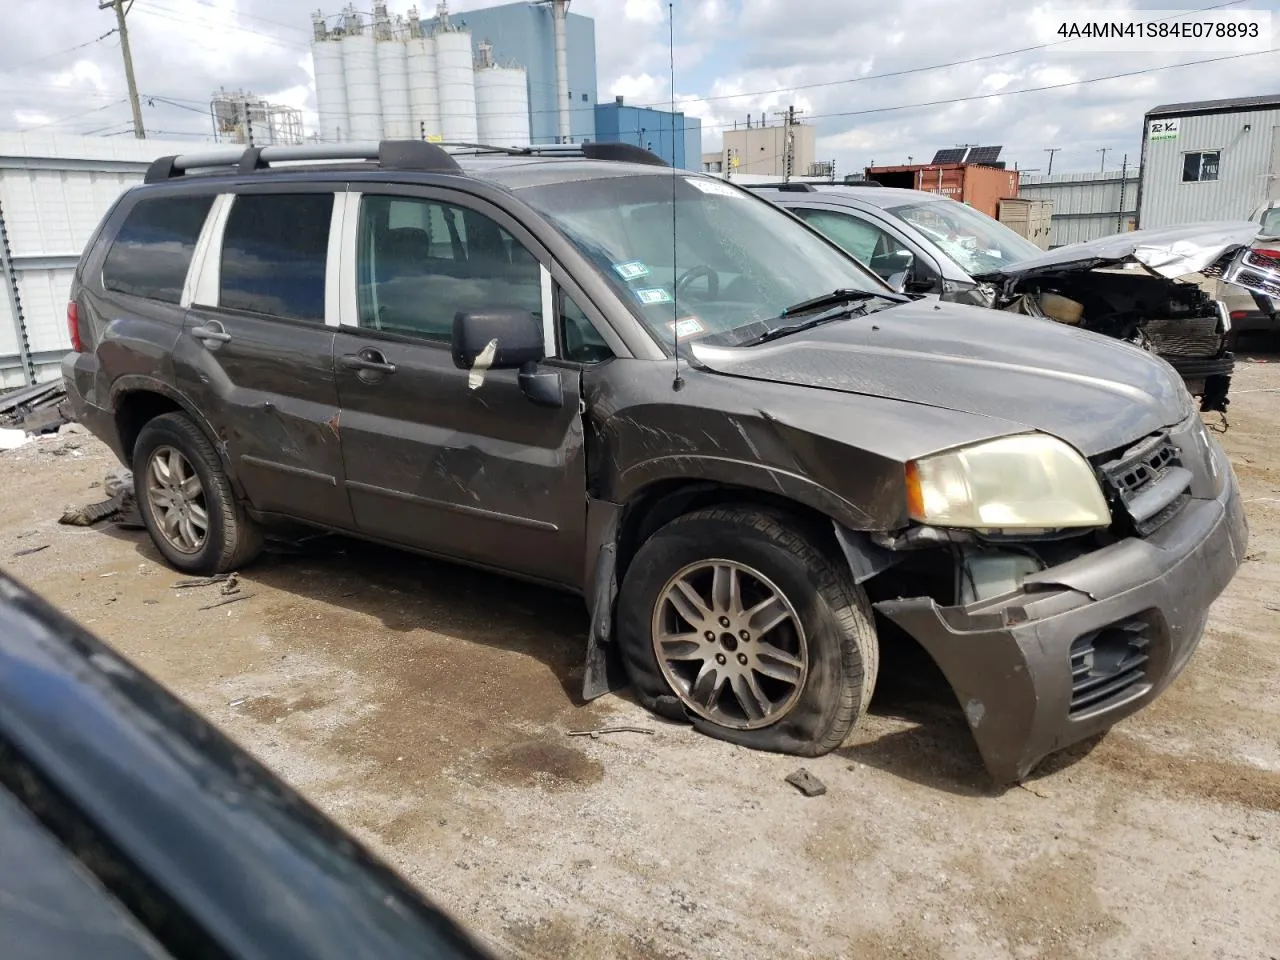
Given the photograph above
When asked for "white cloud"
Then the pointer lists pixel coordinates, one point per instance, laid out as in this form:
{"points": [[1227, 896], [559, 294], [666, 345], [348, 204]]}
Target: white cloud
{"points": [[644, 11]]}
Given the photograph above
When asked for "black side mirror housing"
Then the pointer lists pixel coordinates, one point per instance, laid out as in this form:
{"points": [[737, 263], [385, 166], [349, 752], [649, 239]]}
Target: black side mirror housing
{"points": [[515, 335]]}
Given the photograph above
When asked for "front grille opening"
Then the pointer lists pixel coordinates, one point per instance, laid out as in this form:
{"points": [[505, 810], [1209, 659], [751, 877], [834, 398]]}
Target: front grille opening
{"points": [[1107, 664], [1147, 484], [1138, 475]]}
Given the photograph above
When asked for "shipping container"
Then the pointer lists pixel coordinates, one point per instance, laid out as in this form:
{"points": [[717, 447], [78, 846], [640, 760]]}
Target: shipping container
{"points": [[1028, 218], [981, 187]]}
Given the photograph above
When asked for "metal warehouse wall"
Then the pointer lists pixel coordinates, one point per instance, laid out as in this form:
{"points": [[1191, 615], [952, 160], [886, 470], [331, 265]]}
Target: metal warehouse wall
{"points": [[1248, 158], [53, 192], [1086, 206]]}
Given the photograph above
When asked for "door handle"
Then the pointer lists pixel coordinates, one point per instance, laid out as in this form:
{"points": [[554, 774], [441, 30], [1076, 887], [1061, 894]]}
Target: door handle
{"points": [[368, 360], [211, 333]]}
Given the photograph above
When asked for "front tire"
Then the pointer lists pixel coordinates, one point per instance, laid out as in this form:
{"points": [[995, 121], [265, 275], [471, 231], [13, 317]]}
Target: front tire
{"points": [[733, 619], [187, 501]]}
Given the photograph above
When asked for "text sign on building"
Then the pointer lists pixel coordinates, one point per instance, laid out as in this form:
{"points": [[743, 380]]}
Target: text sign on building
{"points": [[1162, 130]]}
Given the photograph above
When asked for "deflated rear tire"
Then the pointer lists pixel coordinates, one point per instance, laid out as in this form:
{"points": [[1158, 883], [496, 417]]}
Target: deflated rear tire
{"points": [[734, 620], [187, 502]]}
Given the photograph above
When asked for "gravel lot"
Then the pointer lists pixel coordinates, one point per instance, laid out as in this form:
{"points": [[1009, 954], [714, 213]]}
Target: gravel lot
{"points": [[426, 707]]}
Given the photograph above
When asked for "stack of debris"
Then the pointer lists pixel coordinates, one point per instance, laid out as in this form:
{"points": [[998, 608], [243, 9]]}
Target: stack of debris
{"points": [[38, 409]]}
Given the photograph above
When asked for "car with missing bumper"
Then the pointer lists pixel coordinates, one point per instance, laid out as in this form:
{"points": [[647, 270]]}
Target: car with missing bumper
{"points": [[753, 459], [1154, 288]]}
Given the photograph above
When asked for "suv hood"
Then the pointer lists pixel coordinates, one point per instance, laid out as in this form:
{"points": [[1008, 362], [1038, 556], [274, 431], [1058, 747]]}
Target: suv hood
{"points": [[1096, 393], [1171, 252]]}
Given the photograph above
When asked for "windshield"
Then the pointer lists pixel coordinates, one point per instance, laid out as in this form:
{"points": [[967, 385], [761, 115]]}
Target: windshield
{"points": [[734, 264], [1270, 222], [972, 239]]}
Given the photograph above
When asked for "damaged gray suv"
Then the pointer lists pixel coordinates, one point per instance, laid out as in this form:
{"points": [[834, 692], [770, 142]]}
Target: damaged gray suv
{"points": [[753, 459]]}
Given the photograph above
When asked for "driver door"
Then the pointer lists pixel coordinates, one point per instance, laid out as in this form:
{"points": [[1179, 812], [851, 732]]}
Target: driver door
{"points": [[460, 465]]}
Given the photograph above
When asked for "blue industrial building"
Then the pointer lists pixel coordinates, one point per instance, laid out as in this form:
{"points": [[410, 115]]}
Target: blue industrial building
{"points": [[524, 34], [672, 136]]}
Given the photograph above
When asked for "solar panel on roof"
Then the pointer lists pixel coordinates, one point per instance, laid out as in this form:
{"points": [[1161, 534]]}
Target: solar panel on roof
{"points": [[950, 155], [984, 154]]}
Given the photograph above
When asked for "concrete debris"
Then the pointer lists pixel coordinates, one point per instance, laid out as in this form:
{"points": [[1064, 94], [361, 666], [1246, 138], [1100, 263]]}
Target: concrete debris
{"points": [[12, 439], [807, 783]]}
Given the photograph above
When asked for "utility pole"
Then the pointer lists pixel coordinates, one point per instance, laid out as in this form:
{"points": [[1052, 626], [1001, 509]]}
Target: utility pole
{"points": [[1124, 172], [1051, 151], [788, 139], [1102, 167], [138, 130]]}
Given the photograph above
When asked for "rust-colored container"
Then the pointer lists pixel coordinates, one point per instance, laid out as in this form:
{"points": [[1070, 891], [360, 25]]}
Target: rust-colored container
{"points": [[979, 186]]}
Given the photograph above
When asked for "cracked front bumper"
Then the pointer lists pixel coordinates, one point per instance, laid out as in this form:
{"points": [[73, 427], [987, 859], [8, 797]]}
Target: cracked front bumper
{"points": [[1018, 663]]}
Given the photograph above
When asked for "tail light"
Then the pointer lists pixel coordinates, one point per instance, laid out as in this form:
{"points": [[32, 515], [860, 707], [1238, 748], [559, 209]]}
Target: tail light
{"points": [[1239, 314], [73, 327]]}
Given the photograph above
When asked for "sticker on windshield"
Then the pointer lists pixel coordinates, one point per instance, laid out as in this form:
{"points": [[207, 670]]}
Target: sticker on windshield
{"points": [[687, 327], [631, 270], [710, 185], [653, 295]]}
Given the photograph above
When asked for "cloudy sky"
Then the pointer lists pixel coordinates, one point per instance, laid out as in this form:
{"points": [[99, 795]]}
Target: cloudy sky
{"points": [[733, 57]]}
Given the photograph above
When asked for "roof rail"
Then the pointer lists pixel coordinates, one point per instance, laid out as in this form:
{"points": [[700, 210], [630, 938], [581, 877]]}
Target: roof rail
{"points": [[622, 152], [788, 185], [389, 154]]}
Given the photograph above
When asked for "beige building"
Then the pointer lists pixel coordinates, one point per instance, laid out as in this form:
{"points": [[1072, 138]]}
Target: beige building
{"points": [[763, 150]]}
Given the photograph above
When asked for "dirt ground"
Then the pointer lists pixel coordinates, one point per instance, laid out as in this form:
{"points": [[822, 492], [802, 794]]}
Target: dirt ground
{"points": [[425, 707]]}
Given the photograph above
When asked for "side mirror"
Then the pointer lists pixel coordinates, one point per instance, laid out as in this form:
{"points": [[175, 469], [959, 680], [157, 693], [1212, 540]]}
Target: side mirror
{"points": [[499, 339], [901, 276]]}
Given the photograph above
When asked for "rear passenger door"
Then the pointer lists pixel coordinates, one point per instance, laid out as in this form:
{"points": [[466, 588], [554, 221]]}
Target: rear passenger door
{"points": [[461, 466], [256, 352]]}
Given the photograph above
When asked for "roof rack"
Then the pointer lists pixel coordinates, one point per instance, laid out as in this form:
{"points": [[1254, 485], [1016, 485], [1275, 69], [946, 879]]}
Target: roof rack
{"points": [[619, 152], [389, 154]]}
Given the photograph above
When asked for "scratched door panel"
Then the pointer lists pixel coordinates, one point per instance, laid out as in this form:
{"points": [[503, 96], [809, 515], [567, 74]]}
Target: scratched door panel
{"points": [[481, 474], [269, 393]]}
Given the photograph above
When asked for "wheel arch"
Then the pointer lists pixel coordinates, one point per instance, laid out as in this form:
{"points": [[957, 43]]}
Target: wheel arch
{"points": [[136, 400]]}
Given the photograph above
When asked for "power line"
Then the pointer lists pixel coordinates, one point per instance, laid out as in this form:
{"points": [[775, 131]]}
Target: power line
{"points": [[58, 53], [923, 69], [82, 113]]}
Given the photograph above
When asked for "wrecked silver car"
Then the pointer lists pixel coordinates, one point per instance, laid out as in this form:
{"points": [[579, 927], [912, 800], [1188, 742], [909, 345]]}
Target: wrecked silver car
{"points": [[1147, 287]]}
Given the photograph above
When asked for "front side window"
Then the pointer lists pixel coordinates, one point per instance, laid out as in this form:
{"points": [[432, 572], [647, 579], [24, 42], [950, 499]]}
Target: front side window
{"points": [[273, 255], [420, 262], [152, 253], [1200, 167], [697, 252], [976, 242], [877, 248]]}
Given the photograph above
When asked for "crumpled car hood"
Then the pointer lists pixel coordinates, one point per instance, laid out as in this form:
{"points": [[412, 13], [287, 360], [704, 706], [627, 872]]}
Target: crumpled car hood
{"points": [[1170, 252], [1096, 393]]}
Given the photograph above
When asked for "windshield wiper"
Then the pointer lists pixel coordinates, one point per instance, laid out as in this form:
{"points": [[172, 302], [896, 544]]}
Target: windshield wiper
{"points": [[838, 297], [845, 309]]}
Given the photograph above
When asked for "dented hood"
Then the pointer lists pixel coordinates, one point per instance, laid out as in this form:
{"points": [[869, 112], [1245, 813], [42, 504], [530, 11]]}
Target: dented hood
{"points": [[1096, 393], [1170, 252]]}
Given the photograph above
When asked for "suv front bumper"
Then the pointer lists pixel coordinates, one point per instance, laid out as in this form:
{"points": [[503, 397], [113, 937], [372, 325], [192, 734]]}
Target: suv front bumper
{"points": [[1029, 668]]}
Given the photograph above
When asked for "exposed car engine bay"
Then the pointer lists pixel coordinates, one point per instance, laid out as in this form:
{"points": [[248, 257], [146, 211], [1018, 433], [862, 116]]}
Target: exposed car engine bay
{"points": [[1174, 319]]}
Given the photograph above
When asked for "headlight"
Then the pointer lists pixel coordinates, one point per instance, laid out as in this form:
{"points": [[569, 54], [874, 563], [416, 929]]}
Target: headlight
{"points": [[1027, 481]]}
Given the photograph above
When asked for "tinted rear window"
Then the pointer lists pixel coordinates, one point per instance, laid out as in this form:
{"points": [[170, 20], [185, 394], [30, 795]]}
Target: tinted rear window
{"points": [[273, 254], [152, 252]]}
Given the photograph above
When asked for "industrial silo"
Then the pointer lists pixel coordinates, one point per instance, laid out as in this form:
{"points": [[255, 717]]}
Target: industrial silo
{"points": [[360, 67], [424, 89], [502, 102], [393, 79], [456, 77], [331, 88]]}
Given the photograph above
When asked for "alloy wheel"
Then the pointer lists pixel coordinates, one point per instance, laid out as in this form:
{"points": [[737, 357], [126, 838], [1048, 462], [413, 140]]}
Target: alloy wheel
{"points": [[177, 500], [730, 644]]}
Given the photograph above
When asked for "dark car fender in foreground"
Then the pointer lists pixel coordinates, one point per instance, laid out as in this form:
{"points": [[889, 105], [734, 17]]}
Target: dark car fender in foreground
{"points": [[131, 828]]}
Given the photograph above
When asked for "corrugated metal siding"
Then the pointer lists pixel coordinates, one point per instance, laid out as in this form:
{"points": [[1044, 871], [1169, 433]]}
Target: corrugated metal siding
{"points": [[1241, 187], [1086, 206], [53, 192]]}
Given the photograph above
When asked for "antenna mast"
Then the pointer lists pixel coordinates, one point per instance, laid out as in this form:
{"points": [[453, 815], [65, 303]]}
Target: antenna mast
{"points": [[677, 383]]}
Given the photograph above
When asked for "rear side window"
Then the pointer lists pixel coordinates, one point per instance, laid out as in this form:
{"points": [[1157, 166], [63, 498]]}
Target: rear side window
{"points": [[152, 252], [273, 255]]}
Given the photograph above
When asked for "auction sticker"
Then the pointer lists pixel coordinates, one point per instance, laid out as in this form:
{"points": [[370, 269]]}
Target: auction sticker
{"points": [[687, 327], [653, 295], [631, 270]]}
